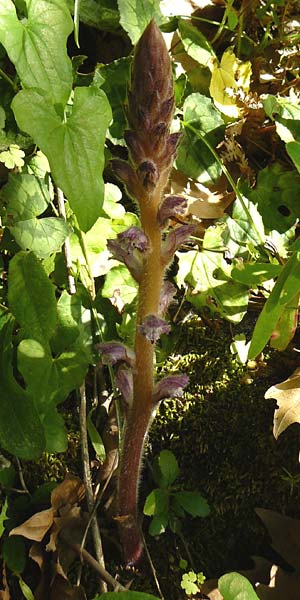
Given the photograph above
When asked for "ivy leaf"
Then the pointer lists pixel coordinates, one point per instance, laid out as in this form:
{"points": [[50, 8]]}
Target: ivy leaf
{"points": [[194, 158], [242, 230], [119, 284], [24, 197], [75, 149], [193, 503], [21, 431], [13, 157], [69, 309], [37, 46], [42, 236], [194, 42], [234, 586], [31, 297], [231, 76], [135, 16], [293, 150], [287, 396]]}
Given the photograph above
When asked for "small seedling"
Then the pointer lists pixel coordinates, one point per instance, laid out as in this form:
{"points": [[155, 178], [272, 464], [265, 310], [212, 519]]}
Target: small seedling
{"points": [[166, 504], [191, 582]]}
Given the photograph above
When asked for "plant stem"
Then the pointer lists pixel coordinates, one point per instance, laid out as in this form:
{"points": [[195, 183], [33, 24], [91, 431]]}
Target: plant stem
{"points": [[9, 80], [66, 247]]}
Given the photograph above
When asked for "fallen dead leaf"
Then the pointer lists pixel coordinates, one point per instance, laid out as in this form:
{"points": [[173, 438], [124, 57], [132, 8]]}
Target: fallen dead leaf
{"points": [[210, 588], [203, 203], [285, 535], [287, 396], [71, 491], [36, 527]]}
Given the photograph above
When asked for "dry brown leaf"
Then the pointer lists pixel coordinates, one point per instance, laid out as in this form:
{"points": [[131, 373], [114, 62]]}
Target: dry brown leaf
{"points": [[203, 203], [36, 527], [64, 590], [210, 588], [287, 396], [36, 553], [71, 491], [283, 586], [5, 594]]}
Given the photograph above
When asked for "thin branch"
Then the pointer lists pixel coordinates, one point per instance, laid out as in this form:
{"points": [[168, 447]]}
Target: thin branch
{"points": [[21, 477], [104, 574], [88, 483], [66, 247]]}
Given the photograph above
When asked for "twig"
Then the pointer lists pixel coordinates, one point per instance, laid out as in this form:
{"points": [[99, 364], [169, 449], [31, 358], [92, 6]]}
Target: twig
{"points": [[21, 477], [88, 483], [152, 568], [104, 574], [66, 246]]}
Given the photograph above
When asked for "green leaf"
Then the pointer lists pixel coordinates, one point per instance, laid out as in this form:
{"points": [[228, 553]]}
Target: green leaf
{"points": [[234, 586], [293, 150], [13, 157], [271, 311], [194, 42], [7, 477], [95, 438], [75, 148], [286, 325], [24, 197], [41, 236], [31, 297], [135, 16], [69, 309], [21, 432], [116, 79], [158, 524], [276, 195], [37, 46], [241, 231], [2, 117], [254, 274], [125, 596], [168, 468], [25, 589], [157, 502], [13, 553], [193, 503], [3, 516], [102, 15], [120, 283], [194, 157], [188, 583]]}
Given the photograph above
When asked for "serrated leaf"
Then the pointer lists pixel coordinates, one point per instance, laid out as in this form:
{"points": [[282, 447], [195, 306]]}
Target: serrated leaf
{"points": [[287, 396], [21, 431], [194, 42], [193, 503], [135, 16], [168, 467], [234, 586], [156, 503], [75, 148], [188, 583], [37, 46], [13, 157], [31, 297], [194, 158]]}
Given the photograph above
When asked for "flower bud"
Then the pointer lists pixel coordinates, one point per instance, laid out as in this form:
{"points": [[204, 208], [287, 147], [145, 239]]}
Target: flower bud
{"points": [[153, 327]]}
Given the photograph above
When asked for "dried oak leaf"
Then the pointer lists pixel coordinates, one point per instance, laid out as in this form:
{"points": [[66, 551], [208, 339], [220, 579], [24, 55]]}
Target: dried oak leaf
{"points": [[71, 491], [62, 589], [287, 396], [285, 535], [36, 527], [202, 202]]}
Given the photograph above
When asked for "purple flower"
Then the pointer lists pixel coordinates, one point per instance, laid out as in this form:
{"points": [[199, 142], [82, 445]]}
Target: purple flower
{"points": [[171, 386], [153, 327], [128, 248], [175, 238], [124, 381], [148, 174], [167, 294], [171, 208], [114, 352]]}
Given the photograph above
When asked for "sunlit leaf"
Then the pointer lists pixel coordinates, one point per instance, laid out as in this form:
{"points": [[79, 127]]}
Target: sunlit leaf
{"points": [[75, 149], [234, 586], [194, 42], [227, 79], [287, 396], [37, 46], [135, 16]]}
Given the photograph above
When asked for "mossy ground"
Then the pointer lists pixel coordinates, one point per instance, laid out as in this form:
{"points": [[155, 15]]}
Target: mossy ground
{"points": [[221, 435]]}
